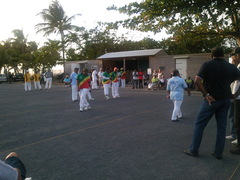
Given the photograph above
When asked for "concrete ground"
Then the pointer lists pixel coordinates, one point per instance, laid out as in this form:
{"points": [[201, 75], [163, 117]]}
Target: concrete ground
{"points": [[128, 138]]}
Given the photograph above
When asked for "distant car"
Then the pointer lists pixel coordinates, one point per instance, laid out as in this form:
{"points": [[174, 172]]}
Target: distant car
{"points": [[3, 78], [18, 77]]}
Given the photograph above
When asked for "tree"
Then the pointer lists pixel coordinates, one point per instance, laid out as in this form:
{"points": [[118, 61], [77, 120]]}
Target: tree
{"points": [[200, 17], [56, 21]]}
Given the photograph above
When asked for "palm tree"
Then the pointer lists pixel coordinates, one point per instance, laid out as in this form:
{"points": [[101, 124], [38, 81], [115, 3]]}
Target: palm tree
{"points": [[56, 21]]}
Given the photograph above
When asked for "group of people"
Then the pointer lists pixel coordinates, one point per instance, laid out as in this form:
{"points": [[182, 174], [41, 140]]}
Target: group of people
{"points": [[36, 77], [158, 80], [83, 82]]}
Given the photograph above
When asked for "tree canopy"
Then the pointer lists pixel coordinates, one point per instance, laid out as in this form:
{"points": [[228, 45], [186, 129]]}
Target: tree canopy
{"points": [[200, 17]]}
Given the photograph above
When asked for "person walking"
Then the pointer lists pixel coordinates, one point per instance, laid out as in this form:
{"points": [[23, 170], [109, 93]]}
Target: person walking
{"points": [[73, 82], [213, 80], [36, 80], [27, 80], [48, 76], [83, 81], [140, 79], [114, 78], [106, 82], [175, 89]]}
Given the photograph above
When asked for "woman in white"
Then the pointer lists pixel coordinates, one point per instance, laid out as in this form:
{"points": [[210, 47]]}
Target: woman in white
{"points": [[175, 90], [94, 79], [100, 77]]}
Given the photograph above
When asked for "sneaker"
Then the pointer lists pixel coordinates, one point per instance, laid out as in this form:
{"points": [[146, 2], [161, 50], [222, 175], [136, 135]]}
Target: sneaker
{"points": [[81, 110], [235, 141], [235, 151], [107, 97], [189, 153], [230, 137], [91, 99], [118, 96]]}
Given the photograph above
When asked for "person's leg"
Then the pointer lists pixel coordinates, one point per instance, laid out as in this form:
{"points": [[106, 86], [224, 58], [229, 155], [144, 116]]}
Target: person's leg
{"points": [[50, 83], [39, 85], [84, 98], [237, 120], [179, 112], [29, 86], [221, 118], [80, 100], [114, 89], [47, 82], [13, 160], [35, 85], [174, 113], [25, 86], [205, 114], [231, 119]]}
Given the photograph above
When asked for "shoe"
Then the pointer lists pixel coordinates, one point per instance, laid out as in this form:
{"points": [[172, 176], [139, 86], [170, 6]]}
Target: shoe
{"points": [[85, 109], [189, 153], [91, 99], [114, 97], [180, 117], [235, 141], [217, 157], [118, 96], [81, 110], [235, 151], [107, 97], [230, 137]]}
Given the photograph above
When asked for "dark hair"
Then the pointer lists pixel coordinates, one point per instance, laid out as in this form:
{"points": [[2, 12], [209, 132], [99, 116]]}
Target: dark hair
{"points": [[175, 72], [217, 52]]}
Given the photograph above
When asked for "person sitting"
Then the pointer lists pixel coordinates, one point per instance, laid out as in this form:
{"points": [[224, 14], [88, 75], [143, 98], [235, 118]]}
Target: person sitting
{"points": [[67, 81], [154, 83], [12, 168]]}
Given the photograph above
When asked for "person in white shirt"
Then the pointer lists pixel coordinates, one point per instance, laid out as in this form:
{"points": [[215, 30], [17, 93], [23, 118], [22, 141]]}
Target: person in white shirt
{"points": [[94, 79], [73, 82], [100, 77]]}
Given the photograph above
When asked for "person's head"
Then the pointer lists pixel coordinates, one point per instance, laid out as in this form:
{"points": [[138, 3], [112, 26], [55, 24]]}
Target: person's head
{"points": [[27, 71], [175, 72], [235, 55], [100, 69], [122, 69], [85, 71], [107, 69], [217, 52], [76, 70], [115, 69]]}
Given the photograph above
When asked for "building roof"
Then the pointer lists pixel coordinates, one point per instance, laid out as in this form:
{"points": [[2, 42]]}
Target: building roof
{"points": [[138, 53]]}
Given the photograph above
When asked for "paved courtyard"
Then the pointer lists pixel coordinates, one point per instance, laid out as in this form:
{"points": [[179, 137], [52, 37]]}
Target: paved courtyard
{"points": [[128, 138]]}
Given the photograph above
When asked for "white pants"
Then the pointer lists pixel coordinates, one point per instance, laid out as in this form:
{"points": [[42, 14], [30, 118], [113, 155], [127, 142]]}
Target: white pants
{"points": [[74, 92], [123, 83], [94, 84], [177, 110], [83, 98], [115, 89], [48, 83], [27, 86], [89, 94], [106, 89], [37, 85]]}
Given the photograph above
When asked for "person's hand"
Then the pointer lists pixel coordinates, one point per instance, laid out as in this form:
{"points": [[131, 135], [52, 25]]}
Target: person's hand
{"points": [[168, 96], [210, 99]]}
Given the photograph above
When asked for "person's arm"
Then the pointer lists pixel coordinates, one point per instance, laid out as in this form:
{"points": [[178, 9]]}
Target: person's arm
{"points": [[208, 97]]}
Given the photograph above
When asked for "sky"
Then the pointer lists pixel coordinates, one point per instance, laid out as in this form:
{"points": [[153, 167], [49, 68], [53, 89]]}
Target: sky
{"points": [[22, 14]]}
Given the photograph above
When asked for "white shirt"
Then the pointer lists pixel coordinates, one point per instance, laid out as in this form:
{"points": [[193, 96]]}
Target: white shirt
{"points": [[235, 85]]}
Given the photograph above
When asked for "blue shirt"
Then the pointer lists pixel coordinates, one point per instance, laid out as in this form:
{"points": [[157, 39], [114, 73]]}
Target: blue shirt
{"points": [[176, 86], [73, 77]]}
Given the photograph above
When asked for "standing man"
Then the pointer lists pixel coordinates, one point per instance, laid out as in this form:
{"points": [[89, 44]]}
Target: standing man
{"points": [[140, 79], [73, 82], [123, 78], [83, 81], [27, 80], [234, 110], [114, 77], [213, 80], [100, 77], [135, 79], [48, 76], [94, 79], [36, 80], [106, 82], [175, 90]]}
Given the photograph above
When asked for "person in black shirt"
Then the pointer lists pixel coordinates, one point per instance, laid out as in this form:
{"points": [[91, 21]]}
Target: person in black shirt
{"points": [[213, 80]]}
